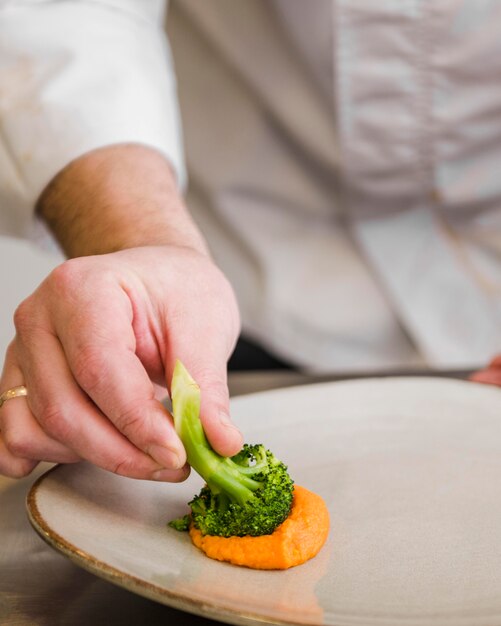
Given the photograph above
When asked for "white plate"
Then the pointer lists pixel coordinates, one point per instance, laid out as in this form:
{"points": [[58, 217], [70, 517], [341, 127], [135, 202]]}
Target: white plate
{"points": [[410, 470]]}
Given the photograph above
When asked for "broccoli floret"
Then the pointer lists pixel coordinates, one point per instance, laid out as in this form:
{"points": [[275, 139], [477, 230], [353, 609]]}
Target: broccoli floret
{"points": [[182, 523], [247, 494]]}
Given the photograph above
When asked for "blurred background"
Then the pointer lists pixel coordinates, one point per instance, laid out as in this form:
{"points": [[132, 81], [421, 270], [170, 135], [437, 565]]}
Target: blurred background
{"points": [[22, 267]]}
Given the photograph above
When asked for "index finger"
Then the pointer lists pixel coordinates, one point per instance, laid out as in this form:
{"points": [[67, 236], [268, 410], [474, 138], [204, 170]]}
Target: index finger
{"points": [[100, 350]]}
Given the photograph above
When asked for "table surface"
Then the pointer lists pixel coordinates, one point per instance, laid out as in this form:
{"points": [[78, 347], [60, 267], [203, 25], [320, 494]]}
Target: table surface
{"points": [[40, 587]]}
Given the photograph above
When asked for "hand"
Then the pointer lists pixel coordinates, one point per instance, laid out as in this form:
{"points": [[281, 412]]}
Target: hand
{"points": [[491, 375], [90, 344], [106, 326]]}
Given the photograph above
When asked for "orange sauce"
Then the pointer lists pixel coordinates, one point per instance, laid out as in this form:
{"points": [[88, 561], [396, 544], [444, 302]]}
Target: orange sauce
{"points": [[295, 541]]}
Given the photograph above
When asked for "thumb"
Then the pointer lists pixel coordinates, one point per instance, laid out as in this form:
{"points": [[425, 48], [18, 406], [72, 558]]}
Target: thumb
{"points": [[210, 374]]}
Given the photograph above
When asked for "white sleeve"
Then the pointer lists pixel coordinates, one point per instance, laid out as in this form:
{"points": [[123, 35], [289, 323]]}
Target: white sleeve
{"points": [[76, 75]]}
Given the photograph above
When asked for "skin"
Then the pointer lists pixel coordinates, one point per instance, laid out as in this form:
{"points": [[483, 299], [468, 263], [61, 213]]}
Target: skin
{"points": [[491, 375], [97, 341]]}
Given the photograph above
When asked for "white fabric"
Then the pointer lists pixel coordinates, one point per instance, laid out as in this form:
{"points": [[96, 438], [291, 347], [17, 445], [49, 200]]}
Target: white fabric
{"points": [[343, 155], [419, 103], [358, 244], [75, 76]]}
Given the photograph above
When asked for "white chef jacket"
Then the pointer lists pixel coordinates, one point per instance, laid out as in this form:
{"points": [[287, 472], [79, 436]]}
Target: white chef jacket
{"points": [[343, 156]]}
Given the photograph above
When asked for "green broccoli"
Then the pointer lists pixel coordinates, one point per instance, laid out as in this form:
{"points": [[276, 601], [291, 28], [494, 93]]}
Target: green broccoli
{"points": [[247, 494]]}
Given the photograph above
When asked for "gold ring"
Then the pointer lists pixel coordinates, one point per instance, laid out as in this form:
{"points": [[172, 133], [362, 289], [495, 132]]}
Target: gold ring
{"points": [[15, 392]]}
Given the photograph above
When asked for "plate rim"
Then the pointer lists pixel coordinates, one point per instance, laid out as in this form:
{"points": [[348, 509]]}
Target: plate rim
{"points": [[179, 600], [130, 582], [384, 378]]}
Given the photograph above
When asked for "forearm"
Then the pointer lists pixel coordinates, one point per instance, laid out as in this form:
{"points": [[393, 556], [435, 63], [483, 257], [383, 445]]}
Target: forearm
{"points": [[115, 198]]}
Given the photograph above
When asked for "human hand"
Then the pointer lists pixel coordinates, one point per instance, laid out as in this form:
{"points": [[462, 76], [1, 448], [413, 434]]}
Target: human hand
{"points": [[491, 375], [91, 342]]}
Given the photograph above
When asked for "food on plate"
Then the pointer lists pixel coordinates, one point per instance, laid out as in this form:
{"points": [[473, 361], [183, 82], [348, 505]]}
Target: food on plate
{"points": [[249, 512], [298, 539], [247, 494]]}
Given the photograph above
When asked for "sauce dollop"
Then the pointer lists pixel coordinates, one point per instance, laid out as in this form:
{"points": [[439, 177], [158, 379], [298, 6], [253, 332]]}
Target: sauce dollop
{"points": [[298, 539]]}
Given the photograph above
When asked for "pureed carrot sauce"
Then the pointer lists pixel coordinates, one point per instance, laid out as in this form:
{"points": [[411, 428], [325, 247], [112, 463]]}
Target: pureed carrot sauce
{"points": [[295, 541]]}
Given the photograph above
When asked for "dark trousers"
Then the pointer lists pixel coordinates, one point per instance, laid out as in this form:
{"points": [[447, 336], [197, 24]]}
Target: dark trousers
{"points": [[249, 355]]}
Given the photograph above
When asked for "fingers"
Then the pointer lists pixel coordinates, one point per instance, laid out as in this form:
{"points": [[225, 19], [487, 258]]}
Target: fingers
{"points": [[14, 466], [100, 352], [22, 442], [24, 437], [203, 344], [222, 434], [89, 342], [67, 415], [491, 375]]}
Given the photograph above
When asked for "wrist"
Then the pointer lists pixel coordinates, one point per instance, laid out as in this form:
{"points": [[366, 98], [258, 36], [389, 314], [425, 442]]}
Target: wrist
{"points": [[116, 198]]}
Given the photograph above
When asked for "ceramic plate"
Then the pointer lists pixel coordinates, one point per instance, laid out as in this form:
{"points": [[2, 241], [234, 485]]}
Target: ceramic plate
{"points": [[410, 469]]}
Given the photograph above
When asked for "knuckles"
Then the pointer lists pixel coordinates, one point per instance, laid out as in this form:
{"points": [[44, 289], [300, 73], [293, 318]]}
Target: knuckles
{"points": [[18, 445], [89, 368], [125, 467], [212, 385], [131, 421], [54, 422], [15, 458], [63, 286], [78, 281], [24, 317], [66, 278]]}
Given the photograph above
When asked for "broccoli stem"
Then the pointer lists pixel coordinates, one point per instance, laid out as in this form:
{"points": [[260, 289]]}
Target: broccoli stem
{"points": [[221, 474]]}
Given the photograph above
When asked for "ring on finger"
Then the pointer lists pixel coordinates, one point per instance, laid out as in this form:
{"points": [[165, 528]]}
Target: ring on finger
{"points": [[14, 392]]}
